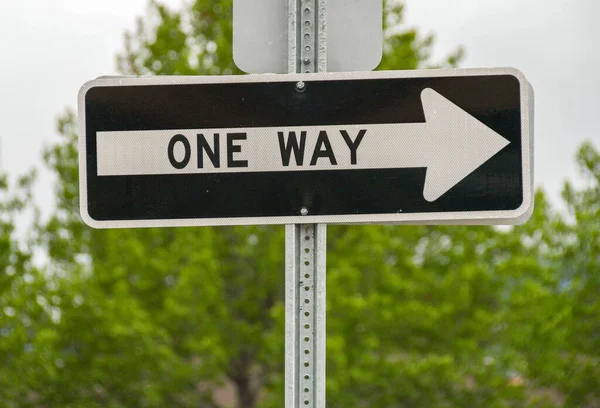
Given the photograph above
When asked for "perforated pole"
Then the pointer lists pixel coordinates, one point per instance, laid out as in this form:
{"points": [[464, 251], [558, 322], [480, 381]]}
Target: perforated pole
{"points": [[305, 244]]}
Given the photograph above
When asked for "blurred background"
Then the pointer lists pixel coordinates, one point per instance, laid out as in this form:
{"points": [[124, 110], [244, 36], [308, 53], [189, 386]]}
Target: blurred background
{"points": [[417, 316]]}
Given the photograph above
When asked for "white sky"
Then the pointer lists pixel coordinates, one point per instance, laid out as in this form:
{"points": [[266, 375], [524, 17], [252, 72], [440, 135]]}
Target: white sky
{"points": [[51, 47]]}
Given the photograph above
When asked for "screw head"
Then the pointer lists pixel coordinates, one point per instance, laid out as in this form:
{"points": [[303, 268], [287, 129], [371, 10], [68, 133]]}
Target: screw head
{"points": [[300, 86], [304, 211]]}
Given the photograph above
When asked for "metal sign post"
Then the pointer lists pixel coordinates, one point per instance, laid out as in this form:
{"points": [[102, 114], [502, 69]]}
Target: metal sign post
{"points": [[305, 244], [305, 257]]}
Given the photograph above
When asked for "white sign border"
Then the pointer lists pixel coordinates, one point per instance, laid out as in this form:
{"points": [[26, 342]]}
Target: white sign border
{"points": [[509, 217]]}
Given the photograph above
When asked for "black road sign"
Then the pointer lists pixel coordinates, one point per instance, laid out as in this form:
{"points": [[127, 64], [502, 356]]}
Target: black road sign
{"points": [[436, 146]]}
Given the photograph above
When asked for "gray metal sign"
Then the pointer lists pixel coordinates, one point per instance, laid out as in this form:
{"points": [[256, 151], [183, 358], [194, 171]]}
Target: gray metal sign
{"points": [[260, 35]]}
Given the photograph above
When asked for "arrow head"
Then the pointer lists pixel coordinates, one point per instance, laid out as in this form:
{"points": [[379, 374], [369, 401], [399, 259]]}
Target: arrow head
{"points": [[458, 144]]}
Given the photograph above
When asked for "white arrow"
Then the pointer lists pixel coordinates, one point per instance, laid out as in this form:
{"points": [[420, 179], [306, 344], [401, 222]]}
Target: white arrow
{"points": [[451, 144]]}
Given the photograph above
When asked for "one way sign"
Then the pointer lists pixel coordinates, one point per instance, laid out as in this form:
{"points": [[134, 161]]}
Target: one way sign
{"points": [[444, 146]]}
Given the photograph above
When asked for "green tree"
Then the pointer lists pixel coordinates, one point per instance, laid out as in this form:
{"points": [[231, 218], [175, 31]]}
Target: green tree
{"points": [[22, 310], [417, 316], [577, 318]]}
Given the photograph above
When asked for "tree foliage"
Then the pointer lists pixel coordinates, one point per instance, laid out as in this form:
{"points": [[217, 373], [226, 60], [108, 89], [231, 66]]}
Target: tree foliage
{"points": [[417, 316]]}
